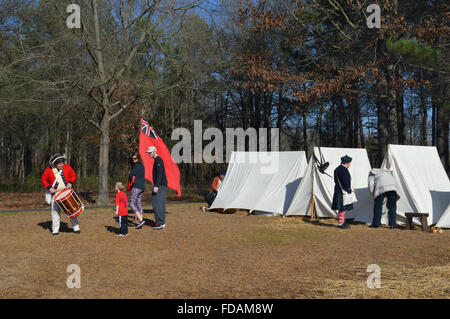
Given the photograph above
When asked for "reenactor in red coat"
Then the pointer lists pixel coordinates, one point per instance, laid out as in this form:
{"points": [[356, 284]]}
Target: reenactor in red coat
{"points": [[58, 176]]}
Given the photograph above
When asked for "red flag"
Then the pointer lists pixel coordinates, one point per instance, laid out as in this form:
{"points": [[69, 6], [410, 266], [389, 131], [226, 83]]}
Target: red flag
{"points": [[148, 137]]}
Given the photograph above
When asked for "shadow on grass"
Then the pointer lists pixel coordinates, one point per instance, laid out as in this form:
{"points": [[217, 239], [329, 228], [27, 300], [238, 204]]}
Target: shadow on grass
{"points": [[228, 211], [134, 222], [112, 229], [150, 211], [63, 227], [215, 210], [352, 221], [317, 222], [149, 222]]}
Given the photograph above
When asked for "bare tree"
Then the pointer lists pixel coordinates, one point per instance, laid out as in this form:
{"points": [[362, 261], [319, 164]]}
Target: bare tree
{"points": [[112, 36]]}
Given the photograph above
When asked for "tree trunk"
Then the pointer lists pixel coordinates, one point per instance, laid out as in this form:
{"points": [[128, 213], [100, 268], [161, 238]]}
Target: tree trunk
{"points": [[433, 123], [401, 127], [391, 104], [362, 138], [68, 143], [442, 129], [386, 96], [85, 162], [356, 121], [103, 196], [319, 126], [342, 118], [333, 122], [383, 118], [423, 107], [305, 133], [28, 160]]}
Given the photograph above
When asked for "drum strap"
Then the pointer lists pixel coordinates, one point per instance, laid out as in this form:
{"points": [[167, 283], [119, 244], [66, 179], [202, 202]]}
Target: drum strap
{"points": [[59, 179]]}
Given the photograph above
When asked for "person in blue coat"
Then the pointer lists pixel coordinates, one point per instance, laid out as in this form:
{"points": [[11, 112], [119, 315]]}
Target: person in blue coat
{"points": [[342, 182], [137, 175]]}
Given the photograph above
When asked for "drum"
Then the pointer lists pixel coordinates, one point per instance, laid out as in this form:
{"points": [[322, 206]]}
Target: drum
{"points": [[69, 202]]}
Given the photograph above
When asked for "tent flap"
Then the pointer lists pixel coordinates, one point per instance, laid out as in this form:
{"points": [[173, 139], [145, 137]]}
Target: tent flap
{"points": [[423, 184], [261, 181], [322, 185]]}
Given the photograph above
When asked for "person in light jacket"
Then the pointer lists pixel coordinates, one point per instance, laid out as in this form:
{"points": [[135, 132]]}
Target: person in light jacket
{"points": [[382, 185]]}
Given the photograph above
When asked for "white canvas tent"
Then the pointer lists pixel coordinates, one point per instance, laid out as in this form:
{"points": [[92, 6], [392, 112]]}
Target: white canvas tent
{"points": [[261, 181], [423, 184], [322, 185], [444, 221]]}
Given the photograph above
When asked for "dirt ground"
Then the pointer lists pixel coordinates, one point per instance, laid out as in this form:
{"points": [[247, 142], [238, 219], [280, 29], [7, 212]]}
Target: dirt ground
{"points": [[214, 255]]}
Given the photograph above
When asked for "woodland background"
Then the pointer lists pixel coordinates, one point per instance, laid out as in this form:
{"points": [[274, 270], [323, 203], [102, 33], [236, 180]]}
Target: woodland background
{"points": [[311, 68]]}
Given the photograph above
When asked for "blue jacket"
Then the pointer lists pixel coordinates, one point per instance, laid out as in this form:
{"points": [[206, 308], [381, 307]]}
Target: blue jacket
{"points": [[342, 173], [139, 172]]}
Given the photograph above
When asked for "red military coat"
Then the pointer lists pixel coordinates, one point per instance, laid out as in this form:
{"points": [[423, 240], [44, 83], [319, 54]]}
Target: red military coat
{"points": [[48, 177]]}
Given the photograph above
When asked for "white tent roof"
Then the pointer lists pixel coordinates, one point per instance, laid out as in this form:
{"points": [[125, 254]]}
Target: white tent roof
{"points": [[322, 185], [261, 181], [423, 184]]}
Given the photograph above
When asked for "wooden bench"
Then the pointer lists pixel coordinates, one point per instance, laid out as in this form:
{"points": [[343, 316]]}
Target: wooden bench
{"points": [[422, 217]]}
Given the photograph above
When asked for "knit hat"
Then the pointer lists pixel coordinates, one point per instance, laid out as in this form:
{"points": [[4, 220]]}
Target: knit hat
{"points": [[346, 159]]}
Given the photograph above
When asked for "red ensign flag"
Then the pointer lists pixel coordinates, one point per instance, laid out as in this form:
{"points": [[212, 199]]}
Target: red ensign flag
{"points": [[148, 137]]}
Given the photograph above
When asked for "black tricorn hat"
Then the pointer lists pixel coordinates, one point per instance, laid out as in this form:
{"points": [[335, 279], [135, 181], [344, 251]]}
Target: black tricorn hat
{"points": [[57, 158], [322, 167]]}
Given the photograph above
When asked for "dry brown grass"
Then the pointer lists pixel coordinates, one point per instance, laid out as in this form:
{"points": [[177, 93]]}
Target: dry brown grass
{"points": [[397, 281], [213, 255]]}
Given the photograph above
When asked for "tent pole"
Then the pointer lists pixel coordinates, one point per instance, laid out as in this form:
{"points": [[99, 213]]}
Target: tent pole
{"points": [[312, 206]]}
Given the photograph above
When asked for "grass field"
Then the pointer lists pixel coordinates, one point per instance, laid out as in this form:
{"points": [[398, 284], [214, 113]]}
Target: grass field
{"points": [[213, 255]]}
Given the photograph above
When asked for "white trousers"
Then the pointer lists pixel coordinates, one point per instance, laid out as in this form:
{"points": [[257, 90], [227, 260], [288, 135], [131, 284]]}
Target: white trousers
{"points": [[56, 218]]}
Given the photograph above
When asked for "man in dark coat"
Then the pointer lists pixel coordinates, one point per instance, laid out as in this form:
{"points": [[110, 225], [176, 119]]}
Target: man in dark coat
{"points": [[159, 191], [342, 182]]}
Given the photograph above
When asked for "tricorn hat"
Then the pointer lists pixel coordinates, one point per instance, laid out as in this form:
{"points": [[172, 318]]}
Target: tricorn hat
{"points": [[57, 158]]}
